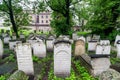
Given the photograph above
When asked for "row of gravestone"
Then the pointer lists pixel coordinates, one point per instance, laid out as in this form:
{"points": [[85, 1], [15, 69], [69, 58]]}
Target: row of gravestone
{"points": [[62, 54]]}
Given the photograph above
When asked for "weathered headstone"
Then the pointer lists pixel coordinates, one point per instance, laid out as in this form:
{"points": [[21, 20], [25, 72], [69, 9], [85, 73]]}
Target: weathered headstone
{"points": [[74, 36], [92, 45], [39, 49], [96, 37], [88, 38], [6, 39], [49, 43], [24, 58], [99, 64], [117, 38], [104, 47], [118, 48], [22, 36], [12, 44], [62, 58], [1, 48], [80, 47], [14, 36]]}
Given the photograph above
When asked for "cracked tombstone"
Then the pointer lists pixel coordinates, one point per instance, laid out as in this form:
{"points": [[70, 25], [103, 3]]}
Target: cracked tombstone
{"points": [[118, 48], [1, 48], [39, 49], [24, 58], [104, 47], [62, 58], [80, 46]]}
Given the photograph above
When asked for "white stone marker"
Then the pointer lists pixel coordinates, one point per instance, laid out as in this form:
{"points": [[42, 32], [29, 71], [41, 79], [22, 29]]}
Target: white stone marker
{"points": [[104, 47], [49, 44], [6, 40], [1, 48], [117, 38], [96, 37], [92, 45], [24, 58], [62, 58], [118, 48], [88, 38], [39, 49], [12, 44], [74, 36], [22, 36], [79, 47]]}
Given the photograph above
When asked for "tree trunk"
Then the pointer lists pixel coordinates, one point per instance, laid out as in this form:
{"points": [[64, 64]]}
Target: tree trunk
{"points": [[12, 19]]}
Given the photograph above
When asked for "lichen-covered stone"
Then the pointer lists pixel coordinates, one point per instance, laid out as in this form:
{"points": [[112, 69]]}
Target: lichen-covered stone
{"points": [[18, 75], [110, 74]]}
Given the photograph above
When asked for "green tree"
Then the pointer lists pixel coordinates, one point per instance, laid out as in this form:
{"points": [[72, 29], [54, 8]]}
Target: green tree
{"points": [[104, 16], [14, 13]]}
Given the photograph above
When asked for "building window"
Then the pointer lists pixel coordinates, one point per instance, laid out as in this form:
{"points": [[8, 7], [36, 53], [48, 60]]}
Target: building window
{"points": [[41, 16], [46, 16], [37, 21], [46, 21], [42, 21]]}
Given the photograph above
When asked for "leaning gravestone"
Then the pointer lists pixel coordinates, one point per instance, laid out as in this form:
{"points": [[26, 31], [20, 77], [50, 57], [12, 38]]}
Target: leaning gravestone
{"points": [[62, 58], [117, 38], [99, 64], [104, 47], [1, 48], [80, 47], [39, 49], [49, 43], [24, 58], [118, 48], [92, 45]]}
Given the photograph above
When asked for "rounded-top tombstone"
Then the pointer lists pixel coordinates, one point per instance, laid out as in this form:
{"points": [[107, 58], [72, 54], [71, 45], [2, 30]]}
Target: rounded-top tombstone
{"points": [[62, 58]]}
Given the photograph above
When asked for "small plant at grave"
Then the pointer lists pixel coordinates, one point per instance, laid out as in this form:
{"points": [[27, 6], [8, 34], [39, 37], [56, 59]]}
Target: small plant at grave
{"points": [[2, 77], [10, 58], [115, 60], [35, 58]]}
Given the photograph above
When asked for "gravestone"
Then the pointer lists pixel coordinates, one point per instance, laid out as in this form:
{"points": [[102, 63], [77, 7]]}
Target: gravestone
{"points": [[22, 36], [74, 36], [118, 48], [99, 64], [62, 58], [39, 49], [96, 37], [80, 47], [24, 58], [1, 48], [117, 38], [104, 47], [14, 36], [88, 38], [12, 44], [6, 39], [49, 43], [92, 45]]}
